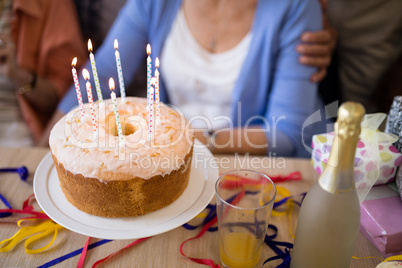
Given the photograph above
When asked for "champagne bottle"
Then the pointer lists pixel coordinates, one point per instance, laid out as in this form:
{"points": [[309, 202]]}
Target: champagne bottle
{"points": [[329, 217]]}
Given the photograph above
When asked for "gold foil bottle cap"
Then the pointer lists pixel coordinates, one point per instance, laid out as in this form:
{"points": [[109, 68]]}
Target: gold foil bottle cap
{"points": [[350, 115], [337, 177]]}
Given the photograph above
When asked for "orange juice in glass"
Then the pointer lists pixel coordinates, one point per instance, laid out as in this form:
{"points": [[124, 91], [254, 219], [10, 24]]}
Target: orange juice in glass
{"points": [[240, 250], [244, 204]]}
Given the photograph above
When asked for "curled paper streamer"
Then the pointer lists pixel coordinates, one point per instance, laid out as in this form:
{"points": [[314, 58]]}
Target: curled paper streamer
{"points": [[41, 228], [283, 197], [370, 140], [31, 234]]}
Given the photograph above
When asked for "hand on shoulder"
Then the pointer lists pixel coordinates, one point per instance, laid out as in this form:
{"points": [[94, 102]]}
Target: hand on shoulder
{"points": [[317, 47]]}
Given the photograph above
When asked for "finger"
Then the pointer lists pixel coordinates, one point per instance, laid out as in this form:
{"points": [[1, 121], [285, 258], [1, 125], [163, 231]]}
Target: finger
{"points": [[313, 49], [316, 37], [315, 61], [317, 77]]}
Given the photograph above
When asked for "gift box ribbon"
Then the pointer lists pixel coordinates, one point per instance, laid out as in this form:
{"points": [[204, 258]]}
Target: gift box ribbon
{"points": [[371, 139]]}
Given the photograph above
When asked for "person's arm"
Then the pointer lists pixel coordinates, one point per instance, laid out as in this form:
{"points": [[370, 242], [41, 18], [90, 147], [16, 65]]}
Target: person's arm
{"points": [[317, 47], [250, 140], [294, 97]]}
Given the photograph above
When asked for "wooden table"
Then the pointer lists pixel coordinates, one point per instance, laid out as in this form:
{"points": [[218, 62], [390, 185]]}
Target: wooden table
{"points": [[161, 250]]}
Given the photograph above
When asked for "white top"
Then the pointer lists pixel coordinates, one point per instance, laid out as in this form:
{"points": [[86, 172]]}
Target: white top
{"points": [[199, 82]]}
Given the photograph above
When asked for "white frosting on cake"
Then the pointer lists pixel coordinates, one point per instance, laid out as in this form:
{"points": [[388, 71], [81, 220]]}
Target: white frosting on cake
{"points": [[73, 143]]}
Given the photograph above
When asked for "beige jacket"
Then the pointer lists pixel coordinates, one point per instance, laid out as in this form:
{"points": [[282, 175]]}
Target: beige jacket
{"points": [[47, 37]]}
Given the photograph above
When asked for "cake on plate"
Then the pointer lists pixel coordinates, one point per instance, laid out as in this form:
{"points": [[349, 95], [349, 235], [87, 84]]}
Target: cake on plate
{"points": [[102, 178]]}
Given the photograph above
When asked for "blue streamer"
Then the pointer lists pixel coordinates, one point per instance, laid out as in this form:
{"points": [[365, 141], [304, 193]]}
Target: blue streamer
{"points": [[274, 245], [4, 200], [74, 253], [23, 174]]}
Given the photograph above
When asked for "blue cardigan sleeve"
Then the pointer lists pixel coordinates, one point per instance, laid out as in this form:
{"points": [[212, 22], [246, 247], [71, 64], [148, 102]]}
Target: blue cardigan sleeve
{"points": [[130, 29], [293, 97]]}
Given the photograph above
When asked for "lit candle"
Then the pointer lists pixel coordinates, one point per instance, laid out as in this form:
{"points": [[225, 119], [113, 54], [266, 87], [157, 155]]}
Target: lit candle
{"points": [[158, 120], [120, 72], [116, 114], [149, 73], [77, 87], [151, 111], [95, 73], [85, 74]]}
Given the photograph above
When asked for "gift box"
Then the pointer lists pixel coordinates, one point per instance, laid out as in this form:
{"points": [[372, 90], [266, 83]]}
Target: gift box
{"points": [[394, 126], [381, 218], [394, 121], [398, 181], [376, 159]]}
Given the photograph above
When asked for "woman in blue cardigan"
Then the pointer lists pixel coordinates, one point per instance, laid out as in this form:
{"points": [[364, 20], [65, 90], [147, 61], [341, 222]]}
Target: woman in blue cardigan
{"points": [[231, 65]]}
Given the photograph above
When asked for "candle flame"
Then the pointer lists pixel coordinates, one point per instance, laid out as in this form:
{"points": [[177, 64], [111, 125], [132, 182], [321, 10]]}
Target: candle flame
{"points": [[148, 49], [116, 44], [85, 74], [157, 62], [74, 62], [111, 84], [89, 45], [153, 80]]}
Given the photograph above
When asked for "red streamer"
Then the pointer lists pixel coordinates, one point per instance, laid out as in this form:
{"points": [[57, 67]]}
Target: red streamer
{"points": [[85, 249], [114, 253], [36, 215], [208, 262], [81, 261], [27, 208], [294, 176], [27, 203], [239, 180]]}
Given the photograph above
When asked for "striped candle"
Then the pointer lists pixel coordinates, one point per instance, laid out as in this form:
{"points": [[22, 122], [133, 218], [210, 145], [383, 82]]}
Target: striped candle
{"points": [[157, 110], [95, 73], [116, 113], [85, 74], [149, 74], [120, 72], [77, 87], [151, 114]]}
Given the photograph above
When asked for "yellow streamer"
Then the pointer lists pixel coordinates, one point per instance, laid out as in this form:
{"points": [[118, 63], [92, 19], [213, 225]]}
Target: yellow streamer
{"points": [[282, 192], [31, 233], [201, 215], [368, 257], [394, 258]]}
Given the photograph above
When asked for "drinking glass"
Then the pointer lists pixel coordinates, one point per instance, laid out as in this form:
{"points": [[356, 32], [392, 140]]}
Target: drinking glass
{"points": [[244, 201]]}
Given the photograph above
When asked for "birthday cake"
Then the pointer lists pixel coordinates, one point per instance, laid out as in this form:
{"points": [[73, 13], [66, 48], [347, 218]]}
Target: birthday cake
{"points": [[104, 177]]}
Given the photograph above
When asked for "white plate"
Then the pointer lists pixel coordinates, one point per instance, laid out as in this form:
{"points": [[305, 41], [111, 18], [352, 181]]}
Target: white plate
{"points": [[194, 199]]}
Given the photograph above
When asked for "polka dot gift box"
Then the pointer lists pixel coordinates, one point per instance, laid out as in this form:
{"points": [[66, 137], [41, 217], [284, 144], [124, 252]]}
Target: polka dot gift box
{"points": [[376, 159]]}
